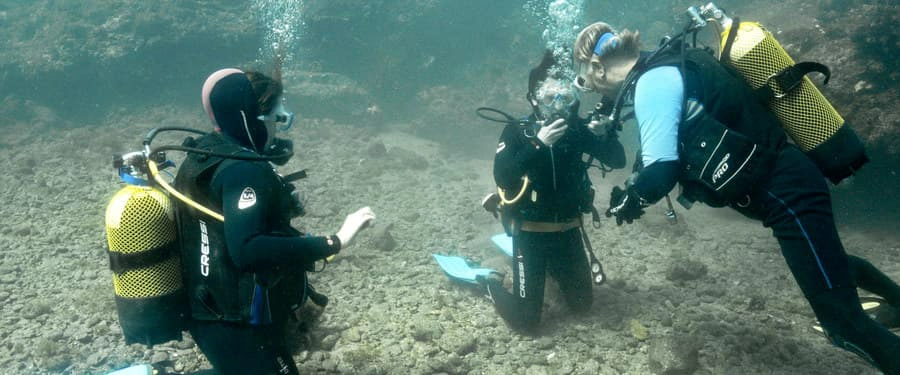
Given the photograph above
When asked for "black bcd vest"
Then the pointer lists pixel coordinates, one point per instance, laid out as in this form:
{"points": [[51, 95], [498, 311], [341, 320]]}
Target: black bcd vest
{"points": [[216, 288], [729, 104]]}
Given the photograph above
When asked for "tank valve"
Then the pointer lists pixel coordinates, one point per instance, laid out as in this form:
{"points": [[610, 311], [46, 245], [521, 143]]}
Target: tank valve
{"points": [[696, 18], [711, 12]]}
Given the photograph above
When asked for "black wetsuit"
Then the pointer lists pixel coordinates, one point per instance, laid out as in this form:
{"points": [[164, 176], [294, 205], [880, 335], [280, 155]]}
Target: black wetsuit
{"points": [[792, 198], [245, 276], [559, 192], [796, 204]]}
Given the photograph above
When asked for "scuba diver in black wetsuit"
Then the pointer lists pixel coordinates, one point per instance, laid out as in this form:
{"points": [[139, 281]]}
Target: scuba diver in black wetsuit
{"points": [[247, 274], [693, 112], [545, 190]]}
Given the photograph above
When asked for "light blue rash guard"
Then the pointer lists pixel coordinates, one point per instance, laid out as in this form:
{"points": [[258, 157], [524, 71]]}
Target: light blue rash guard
{"points": [[658, 98]]}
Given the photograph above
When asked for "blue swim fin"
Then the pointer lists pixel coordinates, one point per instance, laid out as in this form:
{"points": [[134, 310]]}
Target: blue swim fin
{"points": [[458, 269], [134, 370], [503, 242]]}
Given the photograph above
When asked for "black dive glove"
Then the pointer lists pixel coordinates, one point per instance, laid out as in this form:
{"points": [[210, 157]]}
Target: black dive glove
{"points": [[626, 205], [296, 202], [280, 147]]}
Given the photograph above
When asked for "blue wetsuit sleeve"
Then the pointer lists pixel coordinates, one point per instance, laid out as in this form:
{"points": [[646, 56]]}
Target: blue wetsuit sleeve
{"points": [[249, 193], [658, 100]]}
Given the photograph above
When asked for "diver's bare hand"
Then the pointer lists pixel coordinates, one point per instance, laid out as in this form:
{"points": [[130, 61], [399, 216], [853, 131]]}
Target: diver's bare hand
{"points": [[549, 134]]}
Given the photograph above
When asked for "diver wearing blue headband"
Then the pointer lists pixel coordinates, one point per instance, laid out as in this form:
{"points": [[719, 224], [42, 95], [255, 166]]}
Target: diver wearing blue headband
{"points": [[602, 56]]}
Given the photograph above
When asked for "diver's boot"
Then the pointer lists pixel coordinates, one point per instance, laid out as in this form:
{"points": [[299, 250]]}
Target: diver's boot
{"points": [[493, 280]]}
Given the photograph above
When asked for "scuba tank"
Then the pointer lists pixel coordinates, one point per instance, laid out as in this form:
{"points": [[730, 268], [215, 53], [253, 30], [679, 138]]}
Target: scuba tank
{"points": [[805, 114], [143, 239], [143, 254]]}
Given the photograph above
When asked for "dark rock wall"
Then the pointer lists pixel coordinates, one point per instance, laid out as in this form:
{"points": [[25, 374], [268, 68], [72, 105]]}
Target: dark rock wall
{"points": [[424, 60], [84, 59]]}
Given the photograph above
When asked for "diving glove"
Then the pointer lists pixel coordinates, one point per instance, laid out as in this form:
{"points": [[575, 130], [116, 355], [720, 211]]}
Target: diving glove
{"points": [[297, 203], [280, 147], [491, 203], [625, 205]]}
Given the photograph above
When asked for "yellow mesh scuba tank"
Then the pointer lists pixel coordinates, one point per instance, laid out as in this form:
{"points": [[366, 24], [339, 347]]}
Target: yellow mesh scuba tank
{"points": [[805, 114], [143, 251]]}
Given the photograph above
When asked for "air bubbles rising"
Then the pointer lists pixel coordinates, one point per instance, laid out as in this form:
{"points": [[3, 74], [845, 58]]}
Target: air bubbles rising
{"points": [[283, 23], [561, 22]]}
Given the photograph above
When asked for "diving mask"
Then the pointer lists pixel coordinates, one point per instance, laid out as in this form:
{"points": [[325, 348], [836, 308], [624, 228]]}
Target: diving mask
{"points": [[556, 97], [280, 117], [581, 82]]}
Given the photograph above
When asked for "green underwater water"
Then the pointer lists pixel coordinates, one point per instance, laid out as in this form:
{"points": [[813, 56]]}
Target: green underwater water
{"points": [[85, 80]]}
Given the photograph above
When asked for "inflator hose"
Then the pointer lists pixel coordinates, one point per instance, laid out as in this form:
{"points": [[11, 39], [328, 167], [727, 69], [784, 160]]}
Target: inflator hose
{"points": [[156, 177], [503, 199]]}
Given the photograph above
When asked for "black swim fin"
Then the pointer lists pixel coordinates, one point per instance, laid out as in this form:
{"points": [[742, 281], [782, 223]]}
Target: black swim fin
{"points": [[879, 310], [882, 312]]}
